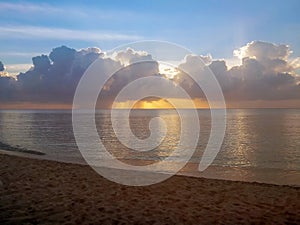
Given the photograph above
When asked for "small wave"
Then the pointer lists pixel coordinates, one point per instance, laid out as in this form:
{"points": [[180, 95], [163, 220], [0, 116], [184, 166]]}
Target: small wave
{"points": [[8, 147]]}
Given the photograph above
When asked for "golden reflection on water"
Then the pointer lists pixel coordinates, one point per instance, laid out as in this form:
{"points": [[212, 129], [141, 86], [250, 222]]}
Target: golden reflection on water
{"points": [[242, 153], [139, 124]]}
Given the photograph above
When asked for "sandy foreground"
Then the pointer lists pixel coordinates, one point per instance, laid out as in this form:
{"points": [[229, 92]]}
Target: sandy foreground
{"points": [[45, 192]]}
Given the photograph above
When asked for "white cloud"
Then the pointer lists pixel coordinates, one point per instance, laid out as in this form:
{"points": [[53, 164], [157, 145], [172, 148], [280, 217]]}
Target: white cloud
{"points": [[33, 32], [27, 7], [130, 56], [15, 69], [295, 63], [19, 54], [263, 50], [231, 62]]}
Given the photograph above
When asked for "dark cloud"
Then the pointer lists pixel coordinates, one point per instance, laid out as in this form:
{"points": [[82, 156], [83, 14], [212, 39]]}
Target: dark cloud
{"points": [[7, 86], [123, 77], [266, 73], [7, 89], [62, 55], [41, 64], [54, 78], [1, 67]]}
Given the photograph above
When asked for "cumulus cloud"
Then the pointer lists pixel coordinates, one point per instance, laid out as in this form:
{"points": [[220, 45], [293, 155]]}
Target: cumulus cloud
{"points": [[141, 65], [130, 56], [266, 73], [54, 78], [263, 50]]}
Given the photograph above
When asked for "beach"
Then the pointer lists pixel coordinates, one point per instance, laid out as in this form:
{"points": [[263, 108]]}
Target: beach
{"points": [[46, 192]]}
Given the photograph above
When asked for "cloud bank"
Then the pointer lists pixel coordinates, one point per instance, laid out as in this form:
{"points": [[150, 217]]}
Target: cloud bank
{"points": [[266, 74]]}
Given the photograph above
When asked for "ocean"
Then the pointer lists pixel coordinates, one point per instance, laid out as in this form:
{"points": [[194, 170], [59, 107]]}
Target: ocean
{"points": [[261, 145]]}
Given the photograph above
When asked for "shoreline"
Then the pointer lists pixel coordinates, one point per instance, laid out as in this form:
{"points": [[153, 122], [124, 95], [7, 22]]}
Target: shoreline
{"points": [[17, 148], [43, 191], [191, 170]]}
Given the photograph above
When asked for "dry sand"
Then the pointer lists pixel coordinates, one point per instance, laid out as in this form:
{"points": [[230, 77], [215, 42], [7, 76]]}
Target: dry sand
{"points": [[45, 192]]}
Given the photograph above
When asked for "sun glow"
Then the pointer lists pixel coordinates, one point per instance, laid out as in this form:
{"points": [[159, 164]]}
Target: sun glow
{"points": [[160, 104], [168, 71]]}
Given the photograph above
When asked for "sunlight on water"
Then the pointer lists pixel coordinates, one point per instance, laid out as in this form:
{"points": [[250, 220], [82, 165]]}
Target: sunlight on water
{"points": [[256, 139]]}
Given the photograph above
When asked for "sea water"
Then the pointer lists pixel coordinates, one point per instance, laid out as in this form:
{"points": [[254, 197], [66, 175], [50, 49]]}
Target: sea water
{"points": [[259, 145]]}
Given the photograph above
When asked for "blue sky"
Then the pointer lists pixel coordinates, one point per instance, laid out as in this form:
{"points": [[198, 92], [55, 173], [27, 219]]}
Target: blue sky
{"points": [[29, 28]]}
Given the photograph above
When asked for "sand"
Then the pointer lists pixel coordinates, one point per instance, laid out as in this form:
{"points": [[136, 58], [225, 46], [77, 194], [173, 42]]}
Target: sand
{"points": [[45, 192]]}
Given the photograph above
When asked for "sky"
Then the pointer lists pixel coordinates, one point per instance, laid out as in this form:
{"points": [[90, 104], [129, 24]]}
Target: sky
{"points": [[220, 29], [216, 27]]}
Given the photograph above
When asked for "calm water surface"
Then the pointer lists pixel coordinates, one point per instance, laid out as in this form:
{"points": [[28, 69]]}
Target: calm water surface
{"points": [[260, 144]]}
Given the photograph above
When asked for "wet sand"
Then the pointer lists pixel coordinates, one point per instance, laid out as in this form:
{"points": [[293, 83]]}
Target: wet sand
{"points": [[46, 192]]}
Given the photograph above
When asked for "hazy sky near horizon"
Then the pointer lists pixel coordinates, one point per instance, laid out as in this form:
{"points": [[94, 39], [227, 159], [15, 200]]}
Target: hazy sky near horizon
{"points": [[29, 28]]}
